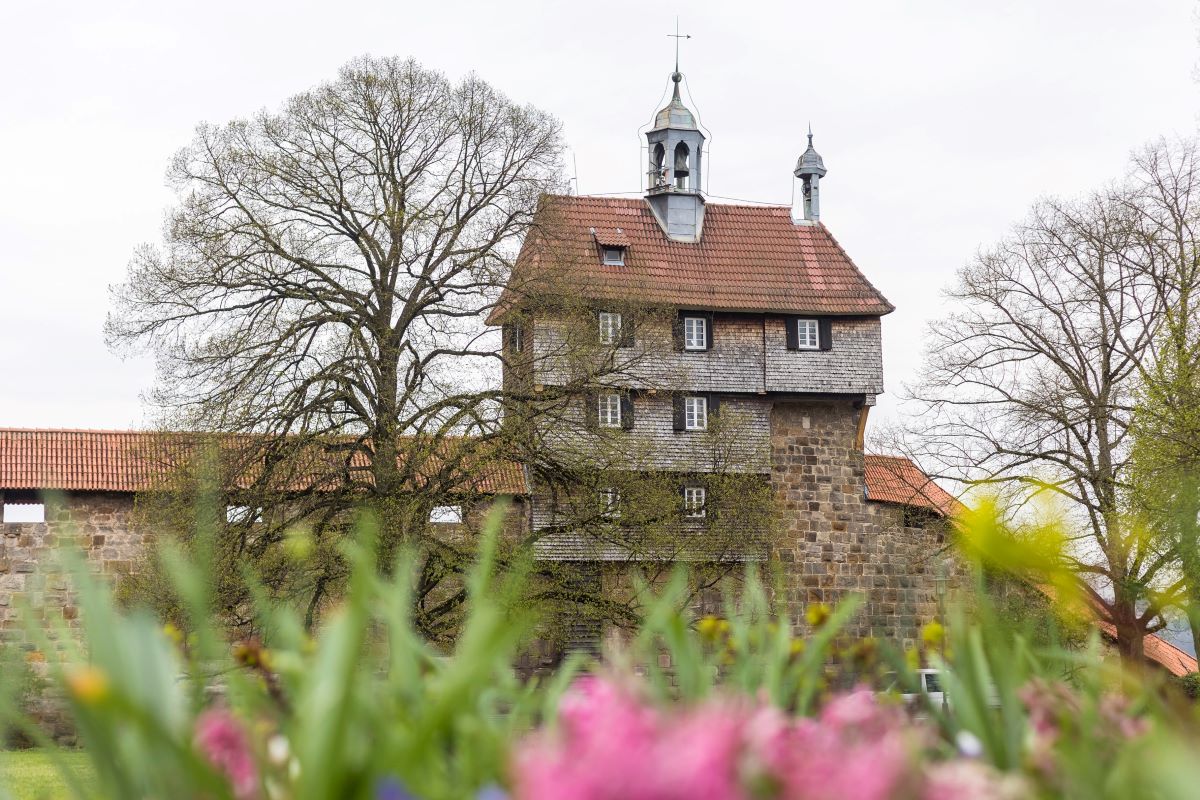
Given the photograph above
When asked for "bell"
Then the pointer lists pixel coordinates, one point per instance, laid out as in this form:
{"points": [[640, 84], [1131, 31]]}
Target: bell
{"points": [[681, 161]]}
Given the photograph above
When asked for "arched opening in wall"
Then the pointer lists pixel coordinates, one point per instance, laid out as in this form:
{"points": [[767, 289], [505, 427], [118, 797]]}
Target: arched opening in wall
{"points": [[682, 170], [658, 170]]}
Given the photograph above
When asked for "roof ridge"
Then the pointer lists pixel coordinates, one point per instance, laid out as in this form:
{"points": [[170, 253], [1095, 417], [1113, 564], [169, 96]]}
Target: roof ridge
{"points": [[117, 431]]}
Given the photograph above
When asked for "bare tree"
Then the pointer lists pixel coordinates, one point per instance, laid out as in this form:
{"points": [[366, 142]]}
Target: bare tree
{"points": [[1030, 382], [323, 279], [321, 292]]}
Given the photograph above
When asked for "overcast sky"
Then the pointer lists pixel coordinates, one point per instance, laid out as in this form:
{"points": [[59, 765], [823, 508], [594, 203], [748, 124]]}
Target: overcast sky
{"points": [[940, 122]]}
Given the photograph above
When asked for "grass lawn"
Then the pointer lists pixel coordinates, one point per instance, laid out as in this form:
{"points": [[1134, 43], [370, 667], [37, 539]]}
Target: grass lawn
{"points": [[33, 774]]}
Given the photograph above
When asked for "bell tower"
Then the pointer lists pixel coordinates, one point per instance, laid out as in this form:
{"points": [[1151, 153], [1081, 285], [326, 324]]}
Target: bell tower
{"points": [[676, 148]]}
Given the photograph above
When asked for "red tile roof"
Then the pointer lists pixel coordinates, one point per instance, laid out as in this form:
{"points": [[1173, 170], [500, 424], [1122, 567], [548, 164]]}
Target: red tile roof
{"points": [[749, 258], [895, 479], [1157, 649], [133, 461]]}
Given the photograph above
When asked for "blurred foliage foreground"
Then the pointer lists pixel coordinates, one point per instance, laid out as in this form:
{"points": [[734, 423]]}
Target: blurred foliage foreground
{"points": [[729, 707]]}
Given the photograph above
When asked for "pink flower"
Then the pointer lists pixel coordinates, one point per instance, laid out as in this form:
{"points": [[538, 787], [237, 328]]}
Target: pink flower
{"points": [[223, 741], [971, 780], [608, 745]]}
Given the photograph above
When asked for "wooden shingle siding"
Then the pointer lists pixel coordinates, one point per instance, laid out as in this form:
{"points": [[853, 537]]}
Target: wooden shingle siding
{"points": [[737, 361], [653, 444]]}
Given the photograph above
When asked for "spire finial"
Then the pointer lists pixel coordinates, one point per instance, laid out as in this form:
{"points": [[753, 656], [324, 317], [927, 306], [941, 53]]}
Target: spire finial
{"points": [[676, 76], [810, 134]]}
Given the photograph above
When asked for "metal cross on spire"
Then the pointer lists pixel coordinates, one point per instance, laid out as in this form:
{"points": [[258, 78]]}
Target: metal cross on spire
{"points": [[677, 36]]}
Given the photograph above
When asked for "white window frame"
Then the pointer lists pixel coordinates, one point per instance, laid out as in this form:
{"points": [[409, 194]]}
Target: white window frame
{"points": [[610, 503], [24, 513], [518, 338], [237, 514], [808, 334], [446, 515], [610, 327], [695, 333], [695, 413], [608, 410], [613, 256], [695, 502]]}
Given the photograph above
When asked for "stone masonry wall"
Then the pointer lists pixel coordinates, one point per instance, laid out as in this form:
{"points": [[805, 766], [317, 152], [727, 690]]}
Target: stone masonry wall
{"points": [[836, 542], [98, 524]]}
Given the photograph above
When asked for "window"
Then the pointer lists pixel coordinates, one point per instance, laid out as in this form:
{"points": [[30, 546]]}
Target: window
{"points": [[610, 327], [695, 333], [614, 256], [518, 338], [446, 515], [238, 514], [695, 413], [24, 512], [807, 334], [610, 503], [694, 499], [609, 411]]}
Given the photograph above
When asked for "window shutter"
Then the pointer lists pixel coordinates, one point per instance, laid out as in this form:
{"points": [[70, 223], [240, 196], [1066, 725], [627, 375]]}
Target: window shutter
{"points": [[708, 323], [714, 405], [677, 331], [506, 337], [591, 409], [825, 333], [627, 412], [793, 336], [595, 325], [626, 337], [678, 417]]}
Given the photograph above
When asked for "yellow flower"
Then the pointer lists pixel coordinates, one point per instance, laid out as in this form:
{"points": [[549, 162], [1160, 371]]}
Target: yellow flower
{"points": [[89, 685], [173, 633], [933, 634], [711, 627], [817, 614]]}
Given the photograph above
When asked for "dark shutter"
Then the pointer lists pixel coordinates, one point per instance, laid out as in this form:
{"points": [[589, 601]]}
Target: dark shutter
{"points": [[793, 336], [506, 336], [595, 324], [714, 405], [679, 420], [591, 409], [825, 333], [677, 331], [625, 339], [627, 412], [708, 337]]}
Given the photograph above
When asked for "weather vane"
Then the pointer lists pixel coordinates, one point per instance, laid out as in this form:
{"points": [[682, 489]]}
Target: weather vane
{"points": [[677, 36]]}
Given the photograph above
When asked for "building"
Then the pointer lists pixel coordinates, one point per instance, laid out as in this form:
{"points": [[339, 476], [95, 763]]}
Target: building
{"points": [[704, 312], [747, 344]]}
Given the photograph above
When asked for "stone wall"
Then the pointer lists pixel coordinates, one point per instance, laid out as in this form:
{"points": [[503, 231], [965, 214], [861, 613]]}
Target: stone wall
{"points": [[834, 541], [32, 577]]}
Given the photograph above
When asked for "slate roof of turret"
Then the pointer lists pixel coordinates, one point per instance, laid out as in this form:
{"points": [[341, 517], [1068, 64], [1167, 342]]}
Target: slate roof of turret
{"points": [[749, 258]]}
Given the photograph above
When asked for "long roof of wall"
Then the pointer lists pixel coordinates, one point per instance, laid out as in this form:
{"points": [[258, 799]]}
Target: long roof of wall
{"points": [[133, 461], [749, 258]]}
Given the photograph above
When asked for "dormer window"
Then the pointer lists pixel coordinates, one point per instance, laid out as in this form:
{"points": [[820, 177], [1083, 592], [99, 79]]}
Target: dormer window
{"points": [[614, 256]]}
